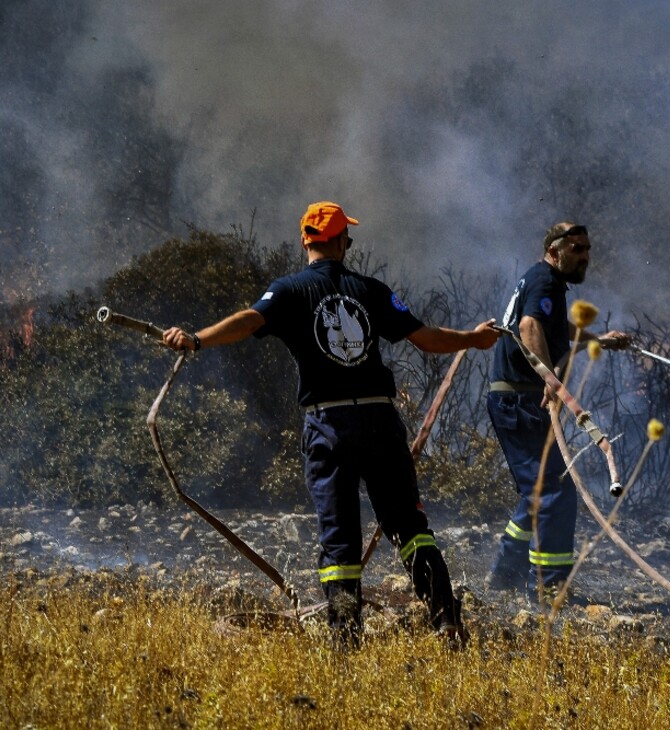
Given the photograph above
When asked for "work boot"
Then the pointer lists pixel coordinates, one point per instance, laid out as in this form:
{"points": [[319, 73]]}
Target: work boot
{"points": [[505, 581], [345, 620], [452, 629]]}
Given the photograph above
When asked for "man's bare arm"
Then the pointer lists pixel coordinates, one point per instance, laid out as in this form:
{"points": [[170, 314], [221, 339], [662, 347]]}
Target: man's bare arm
{"points": [[234, 328], [443, 340], [532, 336], [612, 340]]}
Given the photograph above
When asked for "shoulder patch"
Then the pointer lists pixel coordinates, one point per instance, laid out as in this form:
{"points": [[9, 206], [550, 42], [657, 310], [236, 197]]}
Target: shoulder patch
{"points": [[546, 305], [267, 295], [398, 303]]}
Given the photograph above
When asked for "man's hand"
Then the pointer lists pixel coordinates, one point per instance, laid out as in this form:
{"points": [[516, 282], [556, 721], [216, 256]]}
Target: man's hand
{"points": [[177, 339], [550, 395], [486, 336], [615, 340]]}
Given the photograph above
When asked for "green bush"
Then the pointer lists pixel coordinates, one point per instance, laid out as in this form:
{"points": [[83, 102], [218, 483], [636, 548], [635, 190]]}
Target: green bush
{"points": [[80, 394], [476, 484]]}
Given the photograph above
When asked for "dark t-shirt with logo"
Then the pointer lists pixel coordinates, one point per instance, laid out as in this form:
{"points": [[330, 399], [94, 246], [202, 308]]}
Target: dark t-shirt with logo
{"points": [[540, 294], [331, 320]]}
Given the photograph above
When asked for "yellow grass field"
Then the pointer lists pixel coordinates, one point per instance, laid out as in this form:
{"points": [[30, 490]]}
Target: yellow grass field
{"points": [[104, 651]]}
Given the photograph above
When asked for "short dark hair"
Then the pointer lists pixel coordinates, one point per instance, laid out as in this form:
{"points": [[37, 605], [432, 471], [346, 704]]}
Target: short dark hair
{"points": [[561, 230]]}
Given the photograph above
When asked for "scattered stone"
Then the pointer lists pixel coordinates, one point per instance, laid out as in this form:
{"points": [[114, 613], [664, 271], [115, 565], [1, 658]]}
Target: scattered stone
{"points": [[297, 529], [598, 612], [141, 541], [21, 538], [396, 582], [622, 624], [657, 643], [649, 548], [453, 534]]}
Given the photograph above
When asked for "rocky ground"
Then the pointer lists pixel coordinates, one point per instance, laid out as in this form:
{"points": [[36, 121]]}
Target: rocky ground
{"points": [[168, 542]]}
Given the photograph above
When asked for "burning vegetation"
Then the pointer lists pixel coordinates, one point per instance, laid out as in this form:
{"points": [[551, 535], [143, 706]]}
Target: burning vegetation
{"points": [[16, 331]]}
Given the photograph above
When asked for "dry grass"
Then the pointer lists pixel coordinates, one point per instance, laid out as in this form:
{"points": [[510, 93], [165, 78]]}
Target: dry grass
{"points": [[107, 652]]}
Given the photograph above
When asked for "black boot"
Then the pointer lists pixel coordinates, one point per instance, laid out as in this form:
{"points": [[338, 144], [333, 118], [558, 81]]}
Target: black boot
{"points": [[430, 578], [450, 626], [345, 613]]}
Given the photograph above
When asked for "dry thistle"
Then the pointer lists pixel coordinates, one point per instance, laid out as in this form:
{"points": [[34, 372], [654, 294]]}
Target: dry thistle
{"points": [[655, 430], [583, 313], [594, 349]]}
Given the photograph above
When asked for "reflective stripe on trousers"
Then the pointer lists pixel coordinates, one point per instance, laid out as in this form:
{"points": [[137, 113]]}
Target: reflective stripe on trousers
{"points": [[516, 533], [340, 572], [550, 559], [522, 426]]}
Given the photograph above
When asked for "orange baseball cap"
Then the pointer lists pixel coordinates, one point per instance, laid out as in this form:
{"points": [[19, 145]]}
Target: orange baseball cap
{"points": [[323, 221]]}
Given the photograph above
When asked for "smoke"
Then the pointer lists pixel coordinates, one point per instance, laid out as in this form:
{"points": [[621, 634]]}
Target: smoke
{"points": [[456, 132]]}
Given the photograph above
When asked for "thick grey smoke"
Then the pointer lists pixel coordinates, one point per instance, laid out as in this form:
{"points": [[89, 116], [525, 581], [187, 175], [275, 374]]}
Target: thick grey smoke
{"points": [[457, 132]]}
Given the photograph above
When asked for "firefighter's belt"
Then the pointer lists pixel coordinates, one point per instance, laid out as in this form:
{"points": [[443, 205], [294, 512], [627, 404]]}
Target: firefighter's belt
{"points": [[507, 387], [349, 402]]}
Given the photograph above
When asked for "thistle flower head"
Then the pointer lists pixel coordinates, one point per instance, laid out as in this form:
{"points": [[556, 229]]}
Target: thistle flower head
{"points": [[594, 349], [583, 313], [655, 430]]}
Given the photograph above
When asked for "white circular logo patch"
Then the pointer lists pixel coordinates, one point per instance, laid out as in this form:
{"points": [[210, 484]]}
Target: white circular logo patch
{"points": [[342, 329]]}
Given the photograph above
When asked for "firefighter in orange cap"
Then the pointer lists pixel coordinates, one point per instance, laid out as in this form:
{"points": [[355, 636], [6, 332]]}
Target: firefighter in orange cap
{"points": [[332, 320]]}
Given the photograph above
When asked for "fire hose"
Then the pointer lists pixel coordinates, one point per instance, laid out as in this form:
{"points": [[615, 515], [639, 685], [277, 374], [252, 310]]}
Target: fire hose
{"points": [[582, 417], [651, 355], [610, 341], [584, 421], [107, 316], [604, 523]]}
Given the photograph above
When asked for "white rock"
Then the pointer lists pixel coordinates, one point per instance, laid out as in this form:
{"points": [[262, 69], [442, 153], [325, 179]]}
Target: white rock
{"points": [[21, 538], [649, 548]]}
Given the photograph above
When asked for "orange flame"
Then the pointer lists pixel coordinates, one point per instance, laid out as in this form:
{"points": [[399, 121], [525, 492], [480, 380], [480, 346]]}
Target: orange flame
{"points": [[21, 331], [26, 327]]}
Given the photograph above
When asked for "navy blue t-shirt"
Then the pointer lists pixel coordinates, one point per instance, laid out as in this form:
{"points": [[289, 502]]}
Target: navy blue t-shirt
{"points": [[540, 294], [331, 320]]}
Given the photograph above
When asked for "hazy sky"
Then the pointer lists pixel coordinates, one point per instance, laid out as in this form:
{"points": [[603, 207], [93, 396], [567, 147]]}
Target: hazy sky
{"points": [[455, 131]]}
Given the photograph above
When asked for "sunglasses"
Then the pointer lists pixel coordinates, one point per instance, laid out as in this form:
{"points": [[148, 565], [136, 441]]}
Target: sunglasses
{"points": [[579, 247]]}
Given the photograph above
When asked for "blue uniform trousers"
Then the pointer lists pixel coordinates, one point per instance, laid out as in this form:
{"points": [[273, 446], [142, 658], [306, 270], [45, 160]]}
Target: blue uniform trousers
{"points": [[343, 445], [522, 426]]}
